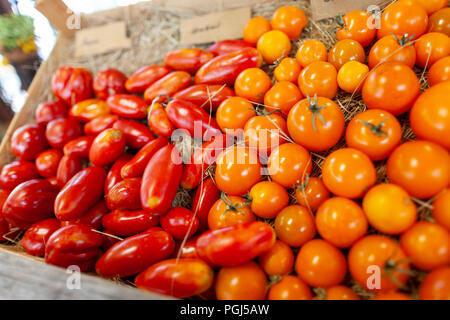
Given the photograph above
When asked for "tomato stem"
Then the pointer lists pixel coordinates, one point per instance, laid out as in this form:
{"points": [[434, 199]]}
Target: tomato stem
{"points": [[376, 129], [340, 20], [404, 40], [229, 204], [315, 109]]}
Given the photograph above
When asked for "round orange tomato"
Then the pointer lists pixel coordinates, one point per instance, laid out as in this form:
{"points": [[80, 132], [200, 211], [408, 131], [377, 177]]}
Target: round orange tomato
{"points": [[287, 70], [430, 115], [279, 260], [340, 293], [351, 76], [344, 51], [320, 264], [310, 51], [392, 86], [440, 21], [317, 124], [441, 209], [431, 47], [237, 170], [422, 168], [282, 96], [245, 282], [389, 208], [311, 193], [274, 45], [229, 211], [427, 244], [393, 48], [375, 260], [403, 17], [318, 78], [295, 225], [432, 5], [341, 222], [375, 132], [394, 295], [348, 173], [252, 84], [233, 113], [255, 28], [289, 164], [289, 19], [354, 27], [290, 288], [436, 285], [439, 71], [266, 132], [267, 199]]}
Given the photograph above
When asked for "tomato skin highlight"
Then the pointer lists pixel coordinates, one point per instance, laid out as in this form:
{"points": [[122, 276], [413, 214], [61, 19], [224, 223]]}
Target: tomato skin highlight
{"points": [[224, 47], [223, 247], [159, 185], [107, 147], [187, 59], [87, 110], [144, 77], [37, 235], [127, 106], [129, 222]]}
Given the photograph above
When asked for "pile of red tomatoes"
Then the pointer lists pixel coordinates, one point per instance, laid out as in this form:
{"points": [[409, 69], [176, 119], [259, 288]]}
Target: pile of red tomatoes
{"points": [[95, 178]]}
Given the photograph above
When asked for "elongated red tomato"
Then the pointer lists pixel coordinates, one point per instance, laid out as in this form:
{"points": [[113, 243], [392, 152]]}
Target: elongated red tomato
{"points": [[109, 82], [29, 202], [107, 147], [80, 193], [28, 141], [92, 217], [129, 222], [68, 166], [225, 69], [113, 175], [232, 246], [72, 85], [179, 278], [97, 125], [206, 195], [161, 179], [60, 131], [180, 223], [16, 172], [224, 47], [74, 244], [125, 195], [188, 116], [88, 110], [168, 86], [50, 110], [37, 235], [208, 97], [136, 166], [144, 77], [136, 253], [136, 134], [187, 59], [47, 162], [127, 106], [79, 147], [158, 121]]}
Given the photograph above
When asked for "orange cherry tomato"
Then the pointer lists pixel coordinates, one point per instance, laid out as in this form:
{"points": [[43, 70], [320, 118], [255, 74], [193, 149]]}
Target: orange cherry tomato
{"points": [[440, 21], [403, 17], [295, 225], [289, 164], [88, 110], [279, 260], [432, 6], [430, 115], [431, 47], [233, 113], [320, 264], [274, 45], [237, 170], [441, 209], [436, 285], [439, 71], [389, 208], [318, 78], [344, 51], [427, 244], [422, 168], [378, 263], [290, 288], [310, 51], [252, 84], [229, 211], [348, 173], [255, 28], [341, 222], [311, 193], [393, 48], [391, 296], [267, 199], [316, 124], [354, 27], [392, 86], [340, 293], [287, 70], [351, 76], [245, 282], [289, 19], [375, 132], [282, 96]]}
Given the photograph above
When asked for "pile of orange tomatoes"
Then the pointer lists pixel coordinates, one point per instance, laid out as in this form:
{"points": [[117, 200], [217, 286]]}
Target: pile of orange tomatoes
{"points": [[285, 201]]}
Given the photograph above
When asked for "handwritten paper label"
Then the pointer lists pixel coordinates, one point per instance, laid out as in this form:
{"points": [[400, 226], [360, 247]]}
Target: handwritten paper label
{"points": [[322, 9], [102, 39], [215, 26]]}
